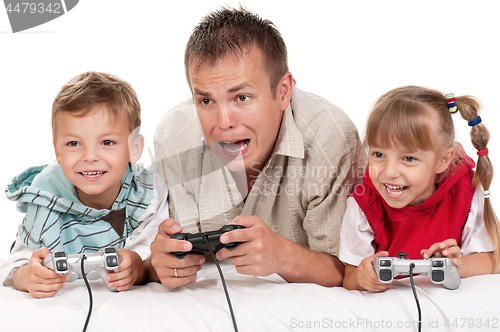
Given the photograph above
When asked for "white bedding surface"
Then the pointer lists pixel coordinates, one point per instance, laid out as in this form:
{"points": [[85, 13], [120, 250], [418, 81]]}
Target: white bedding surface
{"points": [[260, 304]]}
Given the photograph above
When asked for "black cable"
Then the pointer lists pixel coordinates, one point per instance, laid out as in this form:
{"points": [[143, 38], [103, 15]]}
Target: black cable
{"points": [[84, 275], [205, 238], [412, 266]]}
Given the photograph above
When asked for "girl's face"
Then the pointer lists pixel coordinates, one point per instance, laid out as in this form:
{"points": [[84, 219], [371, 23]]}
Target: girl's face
{"points": [[405, 177]]}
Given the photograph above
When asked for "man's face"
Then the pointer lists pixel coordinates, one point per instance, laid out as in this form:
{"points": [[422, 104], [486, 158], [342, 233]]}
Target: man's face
{"points": [[239, 115]]}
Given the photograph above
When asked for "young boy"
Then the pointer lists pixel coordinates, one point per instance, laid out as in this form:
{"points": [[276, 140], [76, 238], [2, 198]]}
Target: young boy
{"points": [[93, 195]]}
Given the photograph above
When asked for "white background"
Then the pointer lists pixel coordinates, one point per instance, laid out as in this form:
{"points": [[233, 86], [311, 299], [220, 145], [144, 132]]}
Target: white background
{"points": [[349, 52]]}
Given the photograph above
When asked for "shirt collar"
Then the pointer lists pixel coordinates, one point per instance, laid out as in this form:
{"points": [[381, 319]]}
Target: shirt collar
{"points": [[290, 141]]}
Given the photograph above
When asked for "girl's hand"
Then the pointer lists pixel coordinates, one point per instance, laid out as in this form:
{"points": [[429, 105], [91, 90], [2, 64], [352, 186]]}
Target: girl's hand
{"points": [[364, 277], [38, 280], [447, 248]]}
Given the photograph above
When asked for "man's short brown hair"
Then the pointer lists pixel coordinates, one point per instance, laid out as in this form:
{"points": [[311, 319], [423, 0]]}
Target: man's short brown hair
{"points": [[236, 30]]}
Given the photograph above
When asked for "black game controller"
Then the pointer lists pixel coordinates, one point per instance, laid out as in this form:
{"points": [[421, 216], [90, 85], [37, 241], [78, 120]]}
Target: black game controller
{"points": [[201, 241]]}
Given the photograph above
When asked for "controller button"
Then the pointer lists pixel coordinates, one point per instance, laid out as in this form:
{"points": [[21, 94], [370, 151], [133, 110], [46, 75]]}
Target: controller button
{"points": [[437, 275], [112, 261], [62, 266], [58, 254], [437, 263], [402, 255], [385, 275], [227, 228], [385, 262], [109, 250]]}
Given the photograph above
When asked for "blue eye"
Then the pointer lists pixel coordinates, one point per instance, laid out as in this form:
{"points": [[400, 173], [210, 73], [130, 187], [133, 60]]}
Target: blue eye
{"points": [[409, 159]]}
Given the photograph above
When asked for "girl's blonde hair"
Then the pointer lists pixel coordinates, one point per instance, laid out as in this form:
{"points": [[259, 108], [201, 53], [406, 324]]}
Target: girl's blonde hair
{"points": [[418, 118]]}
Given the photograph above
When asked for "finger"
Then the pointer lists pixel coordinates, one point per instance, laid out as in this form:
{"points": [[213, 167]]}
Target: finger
{"points": [[44, 290], [254, 228], [433, 250], [40, 254], [169, 227], [381, 254], [45, 273], [174, 282], [247, 221], [448, 243], [124, 282], [186, 272], [167, 245], [451, 252]]}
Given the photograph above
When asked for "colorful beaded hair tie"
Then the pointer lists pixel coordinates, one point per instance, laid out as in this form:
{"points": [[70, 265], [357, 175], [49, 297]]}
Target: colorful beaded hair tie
{"points": [[474, 122], [483, 152], [450, 99]]}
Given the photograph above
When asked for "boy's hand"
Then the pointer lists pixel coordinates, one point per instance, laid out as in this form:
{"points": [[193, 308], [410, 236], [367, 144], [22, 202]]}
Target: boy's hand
{"points": [[131, 271], [38, 280], [448, 248]]}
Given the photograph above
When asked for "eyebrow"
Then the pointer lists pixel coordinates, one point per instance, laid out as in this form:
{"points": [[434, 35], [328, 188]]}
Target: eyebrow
{"points": [[231, 90]]}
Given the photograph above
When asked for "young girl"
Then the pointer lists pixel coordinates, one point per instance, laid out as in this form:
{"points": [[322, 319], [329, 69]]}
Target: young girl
{"points": [[419, 193]]}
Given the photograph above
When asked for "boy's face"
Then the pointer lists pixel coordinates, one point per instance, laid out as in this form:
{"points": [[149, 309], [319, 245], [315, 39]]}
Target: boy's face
{"points": [[93, 151]]}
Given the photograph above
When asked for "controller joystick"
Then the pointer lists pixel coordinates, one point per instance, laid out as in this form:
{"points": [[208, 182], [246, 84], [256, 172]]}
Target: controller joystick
{"points": [[440, 269], [96, 264], [201, 241]]}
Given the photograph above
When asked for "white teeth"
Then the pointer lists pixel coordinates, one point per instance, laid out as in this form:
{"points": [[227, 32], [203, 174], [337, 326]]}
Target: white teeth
{"points": [[92, 174], [225, 147], [394, 190]]}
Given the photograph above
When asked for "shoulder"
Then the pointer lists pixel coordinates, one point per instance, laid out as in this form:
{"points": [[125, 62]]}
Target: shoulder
{"points": [[177, 130], [47, 180], [323, 125]]}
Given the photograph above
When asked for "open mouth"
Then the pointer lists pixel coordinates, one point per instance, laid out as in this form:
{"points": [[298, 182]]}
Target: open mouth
{"points": [[235, 146], [395, 190], [92, 174]]}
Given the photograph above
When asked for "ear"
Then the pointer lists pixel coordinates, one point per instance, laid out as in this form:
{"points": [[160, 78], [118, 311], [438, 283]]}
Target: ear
{"points": [[56, 150], [446, 159], [135, 148], [284, 91]]}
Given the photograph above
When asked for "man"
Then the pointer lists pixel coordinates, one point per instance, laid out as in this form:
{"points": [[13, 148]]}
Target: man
{"points": [[252, 149]]}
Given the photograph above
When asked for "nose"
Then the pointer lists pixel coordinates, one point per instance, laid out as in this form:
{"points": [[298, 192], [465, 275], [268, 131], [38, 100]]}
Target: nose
{"points": [[90, 154], [391, 169], [226, 117]]}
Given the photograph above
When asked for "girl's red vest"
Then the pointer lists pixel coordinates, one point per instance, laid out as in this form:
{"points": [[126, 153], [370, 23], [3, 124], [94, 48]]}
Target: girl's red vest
{"points": [[411, 229]]}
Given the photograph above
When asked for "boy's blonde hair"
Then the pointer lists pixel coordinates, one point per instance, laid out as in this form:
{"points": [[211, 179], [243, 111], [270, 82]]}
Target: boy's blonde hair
{"points": [[83, 92], [418, 118]]}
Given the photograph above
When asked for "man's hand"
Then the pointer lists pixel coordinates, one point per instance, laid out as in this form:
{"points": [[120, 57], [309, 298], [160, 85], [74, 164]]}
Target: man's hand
{"points": [[262, 251], [38, 280], [168, 269]]}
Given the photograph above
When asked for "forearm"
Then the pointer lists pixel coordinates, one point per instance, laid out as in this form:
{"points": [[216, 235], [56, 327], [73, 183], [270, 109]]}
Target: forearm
{"points": [[19, 279], [477, 264], [300, 265], [350, 280]]}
